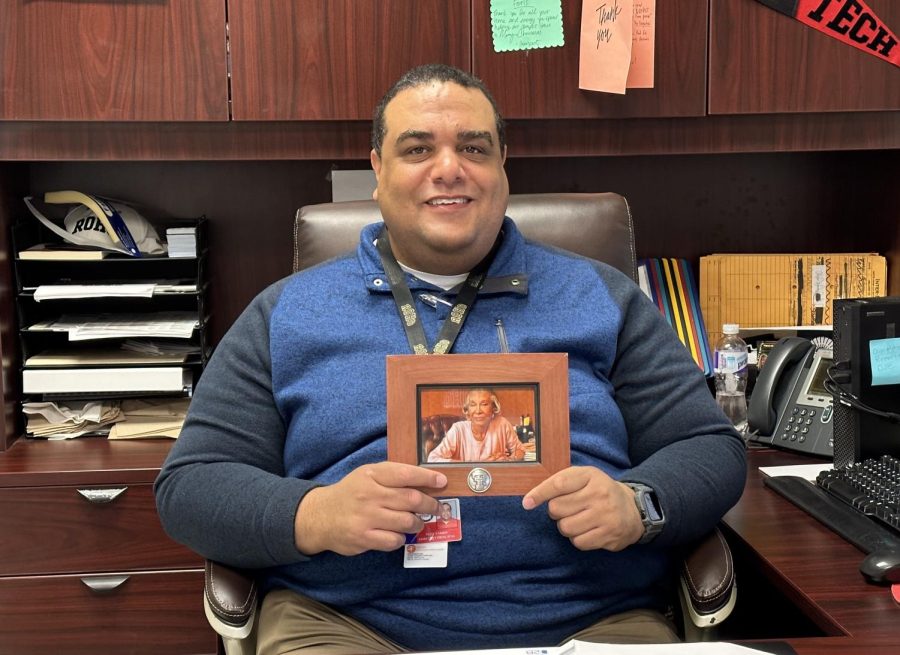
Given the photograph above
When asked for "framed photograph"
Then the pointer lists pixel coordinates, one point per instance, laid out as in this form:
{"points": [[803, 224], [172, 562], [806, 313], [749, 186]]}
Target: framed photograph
{"points": [[495, 425]]}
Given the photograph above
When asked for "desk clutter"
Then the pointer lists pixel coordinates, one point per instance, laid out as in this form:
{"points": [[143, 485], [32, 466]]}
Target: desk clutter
{"points": [[110, 345]]}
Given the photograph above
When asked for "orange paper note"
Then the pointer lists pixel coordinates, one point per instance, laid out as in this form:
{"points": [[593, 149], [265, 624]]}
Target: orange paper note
{"points": [[605, 45]]}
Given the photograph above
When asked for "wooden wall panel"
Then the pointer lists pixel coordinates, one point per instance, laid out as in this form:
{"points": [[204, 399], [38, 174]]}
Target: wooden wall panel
{"points": [[761, 61], [334, 59], [113, 61]]}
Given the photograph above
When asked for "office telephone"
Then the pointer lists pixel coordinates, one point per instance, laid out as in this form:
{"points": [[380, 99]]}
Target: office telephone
{"points": [[790, 407]]}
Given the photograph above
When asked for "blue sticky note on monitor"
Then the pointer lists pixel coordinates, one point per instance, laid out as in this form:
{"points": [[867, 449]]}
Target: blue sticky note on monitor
{"points": [[885, 357]]}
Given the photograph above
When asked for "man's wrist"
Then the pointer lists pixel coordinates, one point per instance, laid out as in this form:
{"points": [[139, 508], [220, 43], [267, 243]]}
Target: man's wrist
{"points": [[305, 533], [650, 510]]}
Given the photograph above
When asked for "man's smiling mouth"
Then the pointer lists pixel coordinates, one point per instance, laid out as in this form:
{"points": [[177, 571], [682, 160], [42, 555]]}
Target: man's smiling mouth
{"points": [[448, 201]]}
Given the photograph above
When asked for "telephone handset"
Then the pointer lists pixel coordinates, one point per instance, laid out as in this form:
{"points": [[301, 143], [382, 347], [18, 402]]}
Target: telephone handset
{"points": [[790, 407]]}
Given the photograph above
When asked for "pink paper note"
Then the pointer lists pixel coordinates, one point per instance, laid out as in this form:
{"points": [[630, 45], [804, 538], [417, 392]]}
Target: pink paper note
{"points": [[605, 45], [643, 45]]}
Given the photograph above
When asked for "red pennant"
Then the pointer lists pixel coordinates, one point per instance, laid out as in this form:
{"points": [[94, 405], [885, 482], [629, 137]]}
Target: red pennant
{"points": [[850, 21]]}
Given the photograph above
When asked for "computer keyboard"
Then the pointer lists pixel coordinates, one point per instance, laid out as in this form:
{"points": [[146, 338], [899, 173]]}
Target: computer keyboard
{"points": [[850, 523], [871, 487]]}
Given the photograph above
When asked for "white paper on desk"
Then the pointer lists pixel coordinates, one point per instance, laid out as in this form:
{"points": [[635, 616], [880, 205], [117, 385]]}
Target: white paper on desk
{"points": [[805, 471], [576, 647]]}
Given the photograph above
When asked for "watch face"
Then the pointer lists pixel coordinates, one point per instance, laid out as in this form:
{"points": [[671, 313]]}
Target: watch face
{"points": [[650, 507]]}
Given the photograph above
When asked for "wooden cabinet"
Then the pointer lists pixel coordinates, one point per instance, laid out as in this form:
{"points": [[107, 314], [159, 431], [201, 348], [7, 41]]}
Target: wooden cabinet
{"points": [[543, 83], [763, 62], [334, 59], [133, 613], [113, 61], [86, 565]]}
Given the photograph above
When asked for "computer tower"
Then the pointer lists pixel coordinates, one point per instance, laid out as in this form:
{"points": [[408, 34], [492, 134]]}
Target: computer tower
{"points": [[860, 434]]}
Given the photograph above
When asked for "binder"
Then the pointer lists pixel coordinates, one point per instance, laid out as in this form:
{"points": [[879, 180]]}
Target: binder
{"points": [[671, 286]]}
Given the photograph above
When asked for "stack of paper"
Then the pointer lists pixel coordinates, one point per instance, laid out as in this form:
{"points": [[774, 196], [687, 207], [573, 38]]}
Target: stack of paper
{"points": [[121, 356], [52, 421], [151, 418], [182, 241], [107, 326]]}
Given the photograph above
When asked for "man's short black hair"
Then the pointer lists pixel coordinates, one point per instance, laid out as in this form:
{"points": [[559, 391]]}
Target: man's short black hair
{"points": [[426, 74]]}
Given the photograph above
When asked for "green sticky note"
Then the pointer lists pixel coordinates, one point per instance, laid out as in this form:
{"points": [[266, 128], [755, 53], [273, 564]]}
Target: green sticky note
{"points": [[885, 357], [526, 24]]}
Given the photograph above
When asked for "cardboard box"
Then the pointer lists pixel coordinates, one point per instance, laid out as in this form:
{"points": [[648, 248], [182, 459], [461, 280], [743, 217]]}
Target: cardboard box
{"points": [[785, 290]]}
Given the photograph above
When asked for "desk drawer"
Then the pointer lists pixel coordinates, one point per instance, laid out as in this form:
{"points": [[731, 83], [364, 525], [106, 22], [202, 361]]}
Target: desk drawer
{"points": [[58, 530], [144, 613]]}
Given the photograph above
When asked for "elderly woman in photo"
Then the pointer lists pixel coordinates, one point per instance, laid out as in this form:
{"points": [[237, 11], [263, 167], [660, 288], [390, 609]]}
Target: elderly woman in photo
{"points": [[484, 437]]}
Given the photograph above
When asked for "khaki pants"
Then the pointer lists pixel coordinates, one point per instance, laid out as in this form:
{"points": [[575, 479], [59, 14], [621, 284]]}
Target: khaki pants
{"points": [[290, 623]]}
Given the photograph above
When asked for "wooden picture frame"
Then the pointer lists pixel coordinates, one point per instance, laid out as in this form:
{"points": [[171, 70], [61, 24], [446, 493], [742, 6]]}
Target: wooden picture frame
{"points": [[413, 379]]}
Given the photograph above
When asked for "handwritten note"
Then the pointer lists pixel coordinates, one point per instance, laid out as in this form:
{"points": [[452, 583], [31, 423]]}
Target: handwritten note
{"points": [[643, 45], [605, 45], [885, 356], [526, 24]]}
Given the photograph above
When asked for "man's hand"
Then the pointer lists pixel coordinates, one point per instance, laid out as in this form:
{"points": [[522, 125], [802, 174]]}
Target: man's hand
{"points": [[372, 508], [589, 507]]}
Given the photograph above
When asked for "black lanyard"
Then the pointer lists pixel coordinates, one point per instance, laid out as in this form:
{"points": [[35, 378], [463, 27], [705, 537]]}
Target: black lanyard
{"points": [[465, 299]]}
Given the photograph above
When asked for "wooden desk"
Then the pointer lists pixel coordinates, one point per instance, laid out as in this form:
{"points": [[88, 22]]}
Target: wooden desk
{"points": [[814, 569]]}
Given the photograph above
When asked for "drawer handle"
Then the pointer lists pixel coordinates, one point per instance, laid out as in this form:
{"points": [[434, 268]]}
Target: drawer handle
{"points": [[101, 496], [103, 584]]}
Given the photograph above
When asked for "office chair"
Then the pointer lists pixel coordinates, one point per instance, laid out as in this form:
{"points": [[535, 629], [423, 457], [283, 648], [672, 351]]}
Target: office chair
{"points": [[596, 225]]}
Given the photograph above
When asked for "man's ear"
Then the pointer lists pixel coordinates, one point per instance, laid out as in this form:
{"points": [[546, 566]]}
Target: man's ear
{"points": [[503, 158], [376, 166]]}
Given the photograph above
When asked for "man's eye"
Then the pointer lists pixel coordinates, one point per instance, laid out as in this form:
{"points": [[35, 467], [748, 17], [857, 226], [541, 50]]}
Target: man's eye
{"points": [[474, 150], [416, 150]]}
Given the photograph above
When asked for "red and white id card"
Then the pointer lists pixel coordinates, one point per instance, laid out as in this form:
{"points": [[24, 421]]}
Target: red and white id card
{"points": [[428, 548]]}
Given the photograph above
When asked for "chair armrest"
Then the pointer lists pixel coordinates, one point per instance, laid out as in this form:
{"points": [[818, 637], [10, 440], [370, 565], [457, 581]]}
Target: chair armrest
{"points": [[708, 586], [229, 600]]}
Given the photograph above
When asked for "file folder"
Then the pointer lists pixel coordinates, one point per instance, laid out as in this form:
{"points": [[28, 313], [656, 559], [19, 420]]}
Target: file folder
{"points": [[671, 286]]}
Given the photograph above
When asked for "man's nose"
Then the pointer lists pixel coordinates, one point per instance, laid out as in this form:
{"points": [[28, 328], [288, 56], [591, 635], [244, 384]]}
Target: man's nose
{"points": [[448, 167]]}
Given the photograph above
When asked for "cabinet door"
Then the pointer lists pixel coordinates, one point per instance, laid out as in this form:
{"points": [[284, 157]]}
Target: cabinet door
{"points": [[334, 59], [129, 613], [58, 530], [543, 83], [761, 61], [113, 61]]}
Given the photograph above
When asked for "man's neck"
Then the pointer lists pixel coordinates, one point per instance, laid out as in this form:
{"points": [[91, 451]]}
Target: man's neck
{"points": [[445, 282]]}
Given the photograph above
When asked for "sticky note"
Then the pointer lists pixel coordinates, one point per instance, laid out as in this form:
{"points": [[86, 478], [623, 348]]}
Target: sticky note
{"points": [[885, 357], [526, 24]]}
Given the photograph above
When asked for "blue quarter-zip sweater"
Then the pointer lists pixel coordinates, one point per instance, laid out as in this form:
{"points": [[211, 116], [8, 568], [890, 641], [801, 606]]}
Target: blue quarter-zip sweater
{"points": [[295, 397]]}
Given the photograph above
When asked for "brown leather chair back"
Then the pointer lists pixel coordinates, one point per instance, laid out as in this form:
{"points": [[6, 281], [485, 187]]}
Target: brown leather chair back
{"points": [[596, 225]]}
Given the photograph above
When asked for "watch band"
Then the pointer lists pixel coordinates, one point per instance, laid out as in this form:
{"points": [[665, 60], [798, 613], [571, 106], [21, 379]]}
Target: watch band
{"points": [[651, 513]]}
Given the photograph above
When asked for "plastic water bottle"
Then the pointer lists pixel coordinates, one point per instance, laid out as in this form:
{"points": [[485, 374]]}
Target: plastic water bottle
{"points": [[731, 376]]}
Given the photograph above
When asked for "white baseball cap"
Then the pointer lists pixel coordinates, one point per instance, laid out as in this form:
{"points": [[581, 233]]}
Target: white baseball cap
{"points": [[84, 228], [82, 222]]}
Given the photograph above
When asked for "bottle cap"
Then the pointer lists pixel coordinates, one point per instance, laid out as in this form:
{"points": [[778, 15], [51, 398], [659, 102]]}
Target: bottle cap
{"points": [[731, 328]]}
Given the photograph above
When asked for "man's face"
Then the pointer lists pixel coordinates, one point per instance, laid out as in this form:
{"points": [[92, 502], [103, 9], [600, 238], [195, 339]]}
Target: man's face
{"points": [[446, 514], [441, 187], [480, 408]]}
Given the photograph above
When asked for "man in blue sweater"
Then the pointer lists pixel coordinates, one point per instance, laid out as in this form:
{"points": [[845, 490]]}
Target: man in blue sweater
{"points": [[281, 466]]}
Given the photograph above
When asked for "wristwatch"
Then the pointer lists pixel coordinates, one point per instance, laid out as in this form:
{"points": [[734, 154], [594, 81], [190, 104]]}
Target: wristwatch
{"points": [[650, 511]]}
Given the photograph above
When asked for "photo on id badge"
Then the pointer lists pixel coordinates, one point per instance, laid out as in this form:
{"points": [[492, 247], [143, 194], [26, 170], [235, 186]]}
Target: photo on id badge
{"points": [[445, 527]]}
